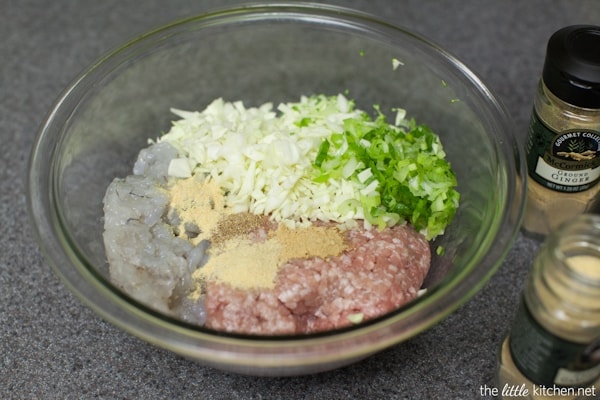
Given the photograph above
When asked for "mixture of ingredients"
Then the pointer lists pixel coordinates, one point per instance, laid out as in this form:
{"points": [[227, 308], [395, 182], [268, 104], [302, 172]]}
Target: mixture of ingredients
{"points": [[309, 216]]}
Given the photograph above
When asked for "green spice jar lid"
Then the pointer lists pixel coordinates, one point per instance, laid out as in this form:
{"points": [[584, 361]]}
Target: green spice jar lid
{"points": [[572, 66]]}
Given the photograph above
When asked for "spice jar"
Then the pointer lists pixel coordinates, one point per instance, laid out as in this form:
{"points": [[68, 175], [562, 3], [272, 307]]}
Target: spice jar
{"points": [[563, 143], [553, 348]]}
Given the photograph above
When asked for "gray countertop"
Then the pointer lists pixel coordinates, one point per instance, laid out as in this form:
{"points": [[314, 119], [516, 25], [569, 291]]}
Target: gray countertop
{"points": [[52, 347]]}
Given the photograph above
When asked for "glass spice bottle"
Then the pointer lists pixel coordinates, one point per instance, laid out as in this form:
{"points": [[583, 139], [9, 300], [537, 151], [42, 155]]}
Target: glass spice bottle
{"points": [[553, 348], [563, 156]]}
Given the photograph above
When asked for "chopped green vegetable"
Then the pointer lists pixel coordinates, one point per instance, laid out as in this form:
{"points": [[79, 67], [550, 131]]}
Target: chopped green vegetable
{"points": [[356, 318], [323, 149], [402, 171], [396, 63]]}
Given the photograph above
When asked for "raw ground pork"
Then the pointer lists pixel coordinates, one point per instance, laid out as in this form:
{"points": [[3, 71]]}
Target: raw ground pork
{"points": [[382, 271]]}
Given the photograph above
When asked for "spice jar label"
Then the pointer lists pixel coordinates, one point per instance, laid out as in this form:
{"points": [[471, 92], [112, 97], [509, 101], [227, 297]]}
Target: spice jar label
{"points": [[567, 161], [547, 359]]}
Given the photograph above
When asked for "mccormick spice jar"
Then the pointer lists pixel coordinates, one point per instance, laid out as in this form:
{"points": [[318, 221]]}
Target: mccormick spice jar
{"points": [[553, 349], [563, 145]]}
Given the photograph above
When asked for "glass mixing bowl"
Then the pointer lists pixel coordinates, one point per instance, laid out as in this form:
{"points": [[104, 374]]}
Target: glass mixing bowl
{"points": [[272, 53]]}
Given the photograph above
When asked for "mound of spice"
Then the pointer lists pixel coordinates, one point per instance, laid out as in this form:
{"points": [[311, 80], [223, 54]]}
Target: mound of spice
{"points": [[246, 264], [246, 251]]}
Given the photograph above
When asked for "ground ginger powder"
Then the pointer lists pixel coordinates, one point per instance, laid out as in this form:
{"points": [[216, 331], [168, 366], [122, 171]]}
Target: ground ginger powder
{"points": [[245, 264], [199, 203], [234, 257]]}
